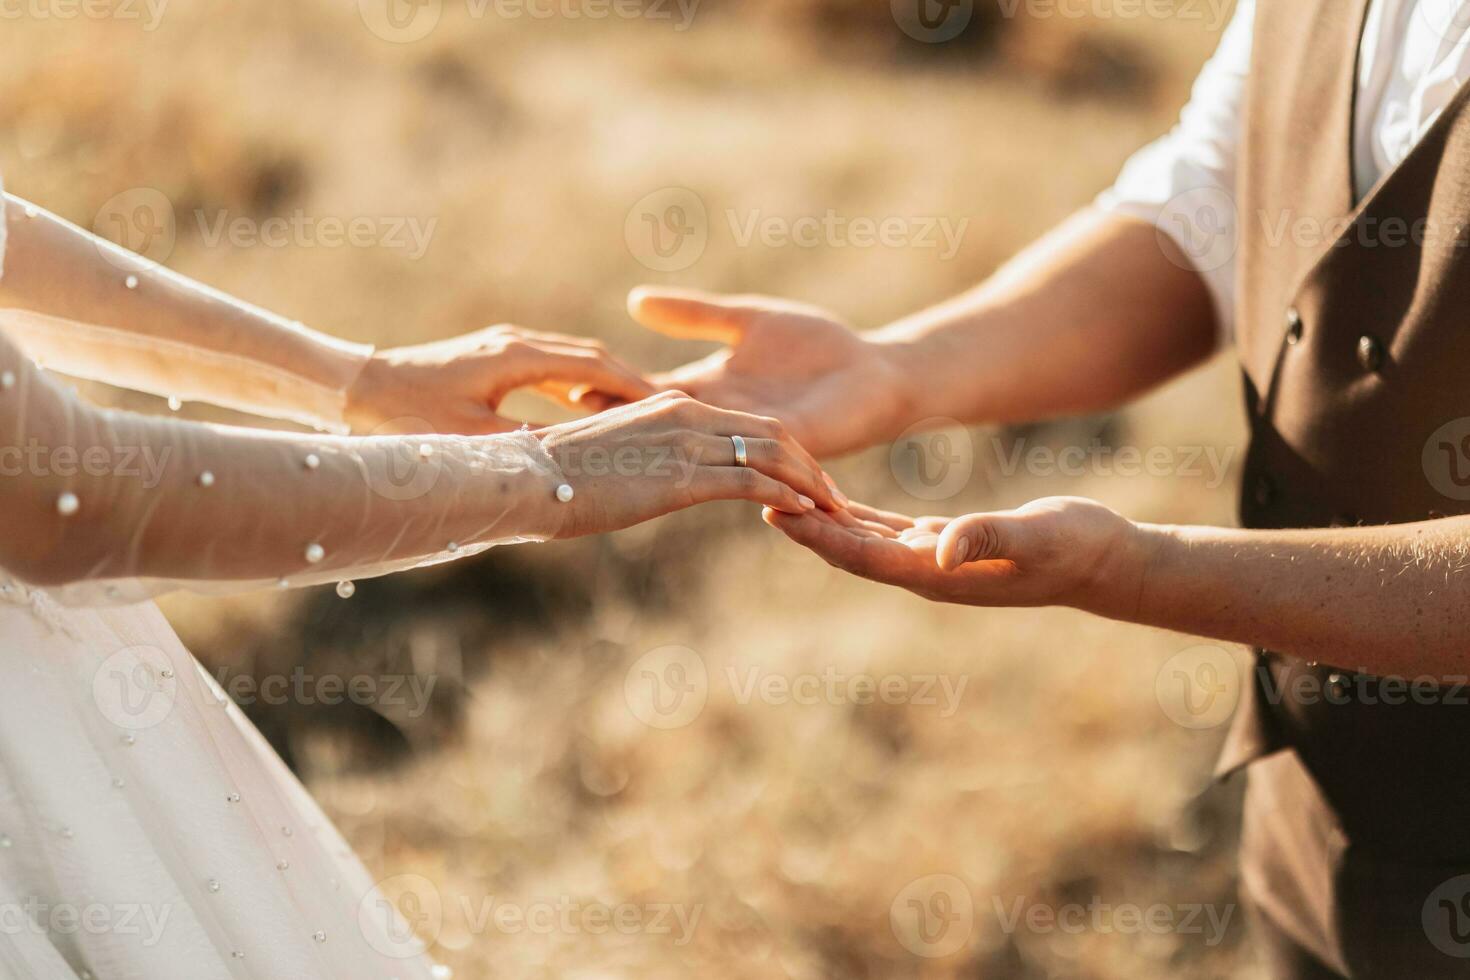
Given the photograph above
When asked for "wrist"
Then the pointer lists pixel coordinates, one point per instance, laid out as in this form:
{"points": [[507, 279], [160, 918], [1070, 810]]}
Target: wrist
{"points": [[899, 400], [366, 400], [1119, 584]]}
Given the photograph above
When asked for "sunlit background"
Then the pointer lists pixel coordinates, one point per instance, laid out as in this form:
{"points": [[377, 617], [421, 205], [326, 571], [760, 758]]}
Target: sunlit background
{"points": [[661, 729]]}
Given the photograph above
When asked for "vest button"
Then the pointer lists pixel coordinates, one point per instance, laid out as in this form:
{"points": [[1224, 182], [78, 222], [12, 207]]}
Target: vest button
{"points": [[1263, 491], [1293, 326], [1370, 353]]}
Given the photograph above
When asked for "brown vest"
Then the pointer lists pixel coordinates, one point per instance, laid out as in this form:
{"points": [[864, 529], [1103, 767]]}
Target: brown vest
{"points": [[1354, 334]]}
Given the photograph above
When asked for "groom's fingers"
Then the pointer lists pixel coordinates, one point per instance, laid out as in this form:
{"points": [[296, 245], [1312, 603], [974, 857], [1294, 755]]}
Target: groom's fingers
{"points": [[897, 522], [980, 537], [689, 314]]}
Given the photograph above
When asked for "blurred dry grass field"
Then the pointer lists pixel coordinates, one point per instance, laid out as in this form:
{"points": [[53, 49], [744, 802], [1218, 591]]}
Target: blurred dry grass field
{"points": [[791, 830]]}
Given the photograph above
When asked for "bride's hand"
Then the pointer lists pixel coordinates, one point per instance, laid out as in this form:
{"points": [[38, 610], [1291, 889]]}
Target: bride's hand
{"points": [[635, 463], [457, 385]]}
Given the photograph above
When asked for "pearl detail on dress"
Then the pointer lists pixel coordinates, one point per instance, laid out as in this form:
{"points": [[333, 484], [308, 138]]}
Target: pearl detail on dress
{"points": [[206, 479], [283, 865], [5, 840], [7, 379], [313, 461], [452, 547], [281, 583], [67, 504], [425, 450], [118, 782], [31, 211], [315, 553], [346, 589], [130, 739], [166, 673], [131, 282], [175, 403], [287, 831], [319, 936], [212, 884], [565, 493]]}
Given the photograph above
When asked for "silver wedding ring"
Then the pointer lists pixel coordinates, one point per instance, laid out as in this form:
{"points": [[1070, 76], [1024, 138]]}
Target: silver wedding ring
{"points": [[740, 458]]}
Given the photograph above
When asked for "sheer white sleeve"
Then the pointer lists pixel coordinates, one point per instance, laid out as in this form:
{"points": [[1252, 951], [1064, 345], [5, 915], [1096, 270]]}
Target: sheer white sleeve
{"points": [[1184, 182], [106, 506], [172, 336]]}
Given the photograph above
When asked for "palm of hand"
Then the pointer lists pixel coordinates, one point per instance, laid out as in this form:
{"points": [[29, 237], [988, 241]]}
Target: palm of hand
{"points": [[832, 389], [1059, 550]]}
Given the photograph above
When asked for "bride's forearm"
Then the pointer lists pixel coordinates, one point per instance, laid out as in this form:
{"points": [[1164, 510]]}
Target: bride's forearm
{"points": [[1392, 600], [112, 315]]}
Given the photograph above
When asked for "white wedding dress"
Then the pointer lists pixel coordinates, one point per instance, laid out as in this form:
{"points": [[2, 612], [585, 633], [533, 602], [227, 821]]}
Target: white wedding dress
{"points": [[147, 831]]}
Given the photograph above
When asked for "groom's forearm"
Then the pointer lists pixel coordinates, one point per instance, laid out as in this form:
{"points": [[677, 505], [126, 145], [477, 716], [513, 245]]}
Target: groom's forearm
{"points": [[1092, 315], [1392, 600]]}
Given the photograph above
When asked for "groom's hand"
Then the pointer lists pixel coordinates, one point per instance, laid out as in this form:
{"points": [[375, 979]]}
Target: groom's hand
{"points": [[835, 391], [1056, 551]]}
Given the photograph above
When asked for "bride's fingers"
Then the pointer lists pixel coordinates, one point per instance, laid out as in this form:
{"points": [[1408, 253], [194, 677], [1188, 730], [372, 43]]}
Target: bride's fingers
{"points": [[587, 367], [756, 427], [736, 483], [771, 457]]}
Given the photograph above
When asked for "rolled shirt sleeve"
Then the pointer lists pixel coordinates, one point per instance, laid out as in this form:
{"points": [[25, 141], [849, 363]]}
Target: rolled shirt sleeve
{"points": [[1184, 182]]}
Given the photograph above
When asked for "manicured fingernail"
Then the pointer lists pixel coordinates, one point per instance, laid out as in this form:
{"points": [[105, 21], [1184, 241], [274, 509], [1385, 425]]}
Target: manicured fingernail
{"points": [[806, 501], [961, 551]]}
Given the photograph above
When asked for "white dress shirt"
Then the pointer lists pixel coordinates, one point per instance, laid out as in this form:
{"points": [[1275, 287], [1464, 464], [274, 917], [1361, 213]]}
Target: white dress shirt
{"points": [[1415, 55]]}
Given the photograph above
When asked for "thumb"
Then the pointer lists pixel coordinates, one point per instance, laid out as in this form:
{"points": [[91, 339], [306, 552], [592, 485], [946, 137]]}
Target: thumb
{"points": [[694, 315], [981, 537]]}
